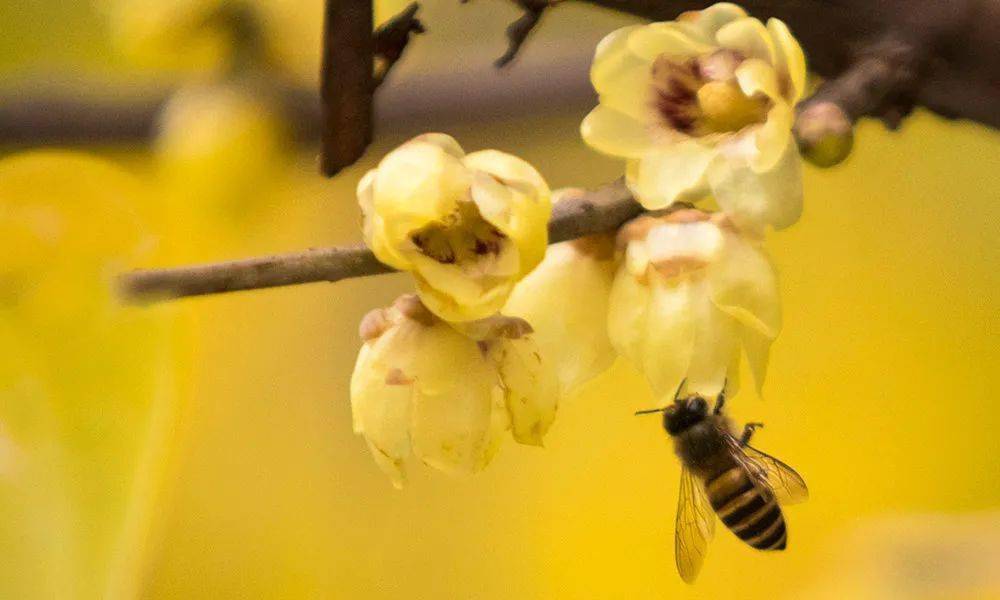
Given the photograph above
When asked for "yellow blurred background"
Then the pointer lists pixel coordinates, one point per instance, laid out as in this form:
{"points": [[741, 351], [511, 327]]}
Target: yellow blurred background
{"points": [[204, 449]]}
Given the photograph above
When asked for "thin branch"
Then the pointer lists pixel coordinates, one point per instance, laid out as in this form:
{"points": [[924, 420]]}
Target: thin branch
{"points": [[519, 30], [391, 39], [346, 83], [597, 211], [880, 83]]}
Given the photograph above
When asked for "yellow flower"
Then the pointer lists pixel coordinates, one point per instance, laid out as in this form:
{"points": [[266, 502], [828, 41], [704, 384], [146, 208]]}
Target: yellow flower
{"points": [[565, 299], [704, 103], [467, 226], [690, 292], [221, 144], [423, 387]]}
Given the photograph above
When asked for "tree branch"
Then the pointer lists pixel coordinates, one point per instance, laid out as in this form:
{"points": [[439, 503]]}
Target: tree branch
{"points": [[346, 83], [597, 211], [391, 39]]}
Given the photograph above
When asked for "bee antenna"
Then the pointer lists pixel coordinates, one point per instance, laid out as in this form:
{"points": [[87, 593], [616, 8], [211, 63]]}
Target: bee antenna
{"points": [[650, 411]]}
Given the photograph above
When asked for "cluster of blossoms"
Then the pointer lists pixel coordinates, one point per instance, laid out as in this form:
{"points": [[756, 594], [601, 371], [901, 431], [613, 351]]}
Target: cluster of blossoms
{"points": [[504, 326]]}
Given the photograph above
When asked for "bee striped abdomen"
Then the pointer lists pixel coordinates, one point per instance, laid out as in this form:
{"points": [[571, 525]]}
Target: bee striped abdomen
{"points": [[755, 519]]}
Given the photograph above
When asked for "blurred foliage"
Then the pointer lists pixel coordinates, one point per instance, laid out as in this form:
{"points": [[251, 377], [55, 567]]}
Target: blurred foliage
{"points": [[880, 388]]}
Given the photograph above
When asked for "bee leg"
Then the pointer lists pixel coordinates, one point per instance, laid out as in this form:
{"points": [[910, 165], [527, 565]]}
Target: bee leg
{"points": [[748, 430], [720, 401]]}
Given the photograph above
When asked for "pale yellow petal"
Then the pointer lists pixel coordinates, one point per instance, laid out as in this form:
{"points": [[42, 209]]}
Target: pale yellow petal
{"points": [[531, 391], [416, 184], [749, 37], [670, 174], [615, 133], [620, 77], [757, 348], [707, 22], [773, 137], [791, 61], [366, 200], [701, 241], [628, 309], [573, 335], [524, 217], [744, 285], [455, 297], [669, 335], [756, 200], [452, 404], [756, 76], [657, 39], [443, 141], [716, 346]]}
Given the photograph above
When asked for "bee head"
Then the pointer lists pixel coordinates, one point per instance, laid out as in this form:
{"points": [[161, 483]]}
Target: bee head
{"points": [[684, 413]]}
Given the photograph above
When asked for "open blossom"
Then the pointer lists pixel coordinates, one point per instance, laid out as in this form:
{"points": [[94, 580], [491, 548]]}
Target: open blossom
{"points": [[422, 387], [690, 293], [467, 226], [565, 299], [704, 103]]}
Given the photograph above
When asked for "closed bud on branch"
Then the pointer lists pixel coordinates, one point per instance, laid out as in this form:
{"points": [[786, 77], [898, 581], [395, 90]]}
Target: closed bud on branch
{"points": [[468, 227], [423, 387], [691, 292]]}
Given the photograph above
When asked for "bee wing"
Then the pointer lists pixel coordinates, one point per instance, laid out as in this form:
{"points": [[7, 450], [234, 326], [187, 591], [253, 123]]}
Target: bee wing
{"points": [[772, 475], [694, 527]]}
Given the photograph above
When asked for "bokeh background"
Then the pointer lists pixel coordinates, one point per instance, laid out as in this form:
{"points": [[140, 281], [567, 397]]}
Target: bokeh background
{"points": [[203, 449]]}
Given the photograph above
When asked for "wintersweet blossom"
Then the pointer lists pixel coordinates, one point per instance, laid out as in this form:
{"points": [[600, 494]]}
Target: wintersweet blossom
{"points": [[565, 299], [704, 103], [422, 387], [467, 226], [692, 291]]}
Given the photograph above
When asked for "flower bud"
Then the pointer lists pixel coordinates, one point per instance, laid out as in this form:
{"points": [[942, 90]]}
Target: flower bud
{"points": [[425, 388], [825, 134]]}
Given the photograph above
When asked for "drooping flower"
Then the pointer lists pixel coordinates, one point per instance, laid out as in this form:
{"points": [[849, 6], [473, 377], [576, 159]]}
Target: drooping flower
{"points": [[565, 299], [468, 227], [704, 103], [691, 292], [423, 387]]}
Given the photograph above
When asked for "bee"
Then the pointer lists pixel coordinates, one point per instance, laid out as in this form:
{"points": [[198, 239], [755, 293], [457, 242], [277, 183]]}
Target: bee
{"points": [[723, 475]]}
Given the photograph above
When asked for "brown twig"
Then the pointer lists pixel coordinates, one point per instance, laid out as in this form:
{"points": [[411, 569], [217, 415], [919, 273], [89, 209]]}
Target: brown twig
{"points": [[391, 39], [519, 30], [346, 83], [600, 210]]}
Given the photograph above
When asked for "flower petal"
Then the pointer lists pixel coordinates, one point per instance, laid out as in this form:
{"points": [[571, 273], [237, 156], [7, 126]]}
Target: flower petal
{"points": [[657, 39], [670, 334], [757, 348], [744, 285], [749, 37], [791, 61], [620, 77], [707, 22], [572, 335], [756, 76], [754, 200], [530, 387], [612, 132], [451, 414], [515, 199], [669, 174], [416, 184], [772, 138], [715, 348], [628, 310]]}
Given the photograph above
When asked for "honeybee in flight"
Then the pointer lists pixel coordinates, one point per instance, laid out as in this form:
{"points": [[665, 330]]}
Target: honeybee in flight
{"points": [[723, 475]]}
